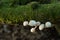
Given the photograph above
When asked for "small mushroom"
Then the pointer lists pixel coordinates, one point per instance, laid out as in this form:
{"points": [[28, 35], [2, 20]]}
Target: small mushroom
{"points": [[41, 27], [32, 30], [38, 23], [25, 23], [32, 23], [48, 24]]}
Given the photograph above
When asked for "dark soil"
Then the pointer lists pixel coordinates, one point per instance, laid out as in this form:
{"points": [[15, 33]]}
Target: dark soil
{"points": [[19, 32]]}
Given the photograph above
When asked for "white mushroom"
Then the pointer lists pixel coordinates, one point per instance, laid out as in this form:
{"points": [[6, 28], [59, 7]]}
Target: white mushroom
{"points": [[38, 23], [41, 27], [32, 23], [48, 24], [25, 23], [32, 30]]}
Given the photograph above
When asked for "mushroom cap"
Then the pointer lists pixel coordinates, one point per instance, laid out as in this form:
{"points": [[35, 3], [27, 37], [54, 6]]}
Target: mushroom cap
{"points": [[48, 24], [38, 23], [32, 23], [25, 23], [32, 30], [41, 27]]}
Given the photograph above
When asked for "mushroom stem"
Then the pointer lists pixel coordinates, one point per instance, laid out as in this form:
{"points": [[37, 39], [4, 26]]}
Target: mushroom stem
{"points": [[35, 27]]}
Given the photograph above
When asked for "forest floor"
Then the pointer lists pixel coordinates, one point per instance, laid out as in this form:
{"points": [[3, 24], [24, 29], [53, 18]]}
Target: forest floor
{"points": [[19, 32]]}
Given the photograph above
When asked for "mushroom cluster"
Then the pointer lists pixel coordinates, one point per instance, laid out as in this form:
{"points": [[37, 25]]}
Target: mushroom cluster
{"points": [[36, 24]]}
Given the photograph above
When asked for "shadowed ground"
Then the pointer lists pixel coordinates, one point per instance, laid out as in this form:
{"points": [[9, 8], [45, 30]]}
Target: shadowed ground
{"points": [[19, 32]]}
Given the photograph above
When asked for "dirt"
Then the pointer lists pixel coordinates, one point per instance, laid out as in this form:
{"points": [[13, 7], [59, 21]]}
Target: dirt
{"points": [[19, 32]]}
